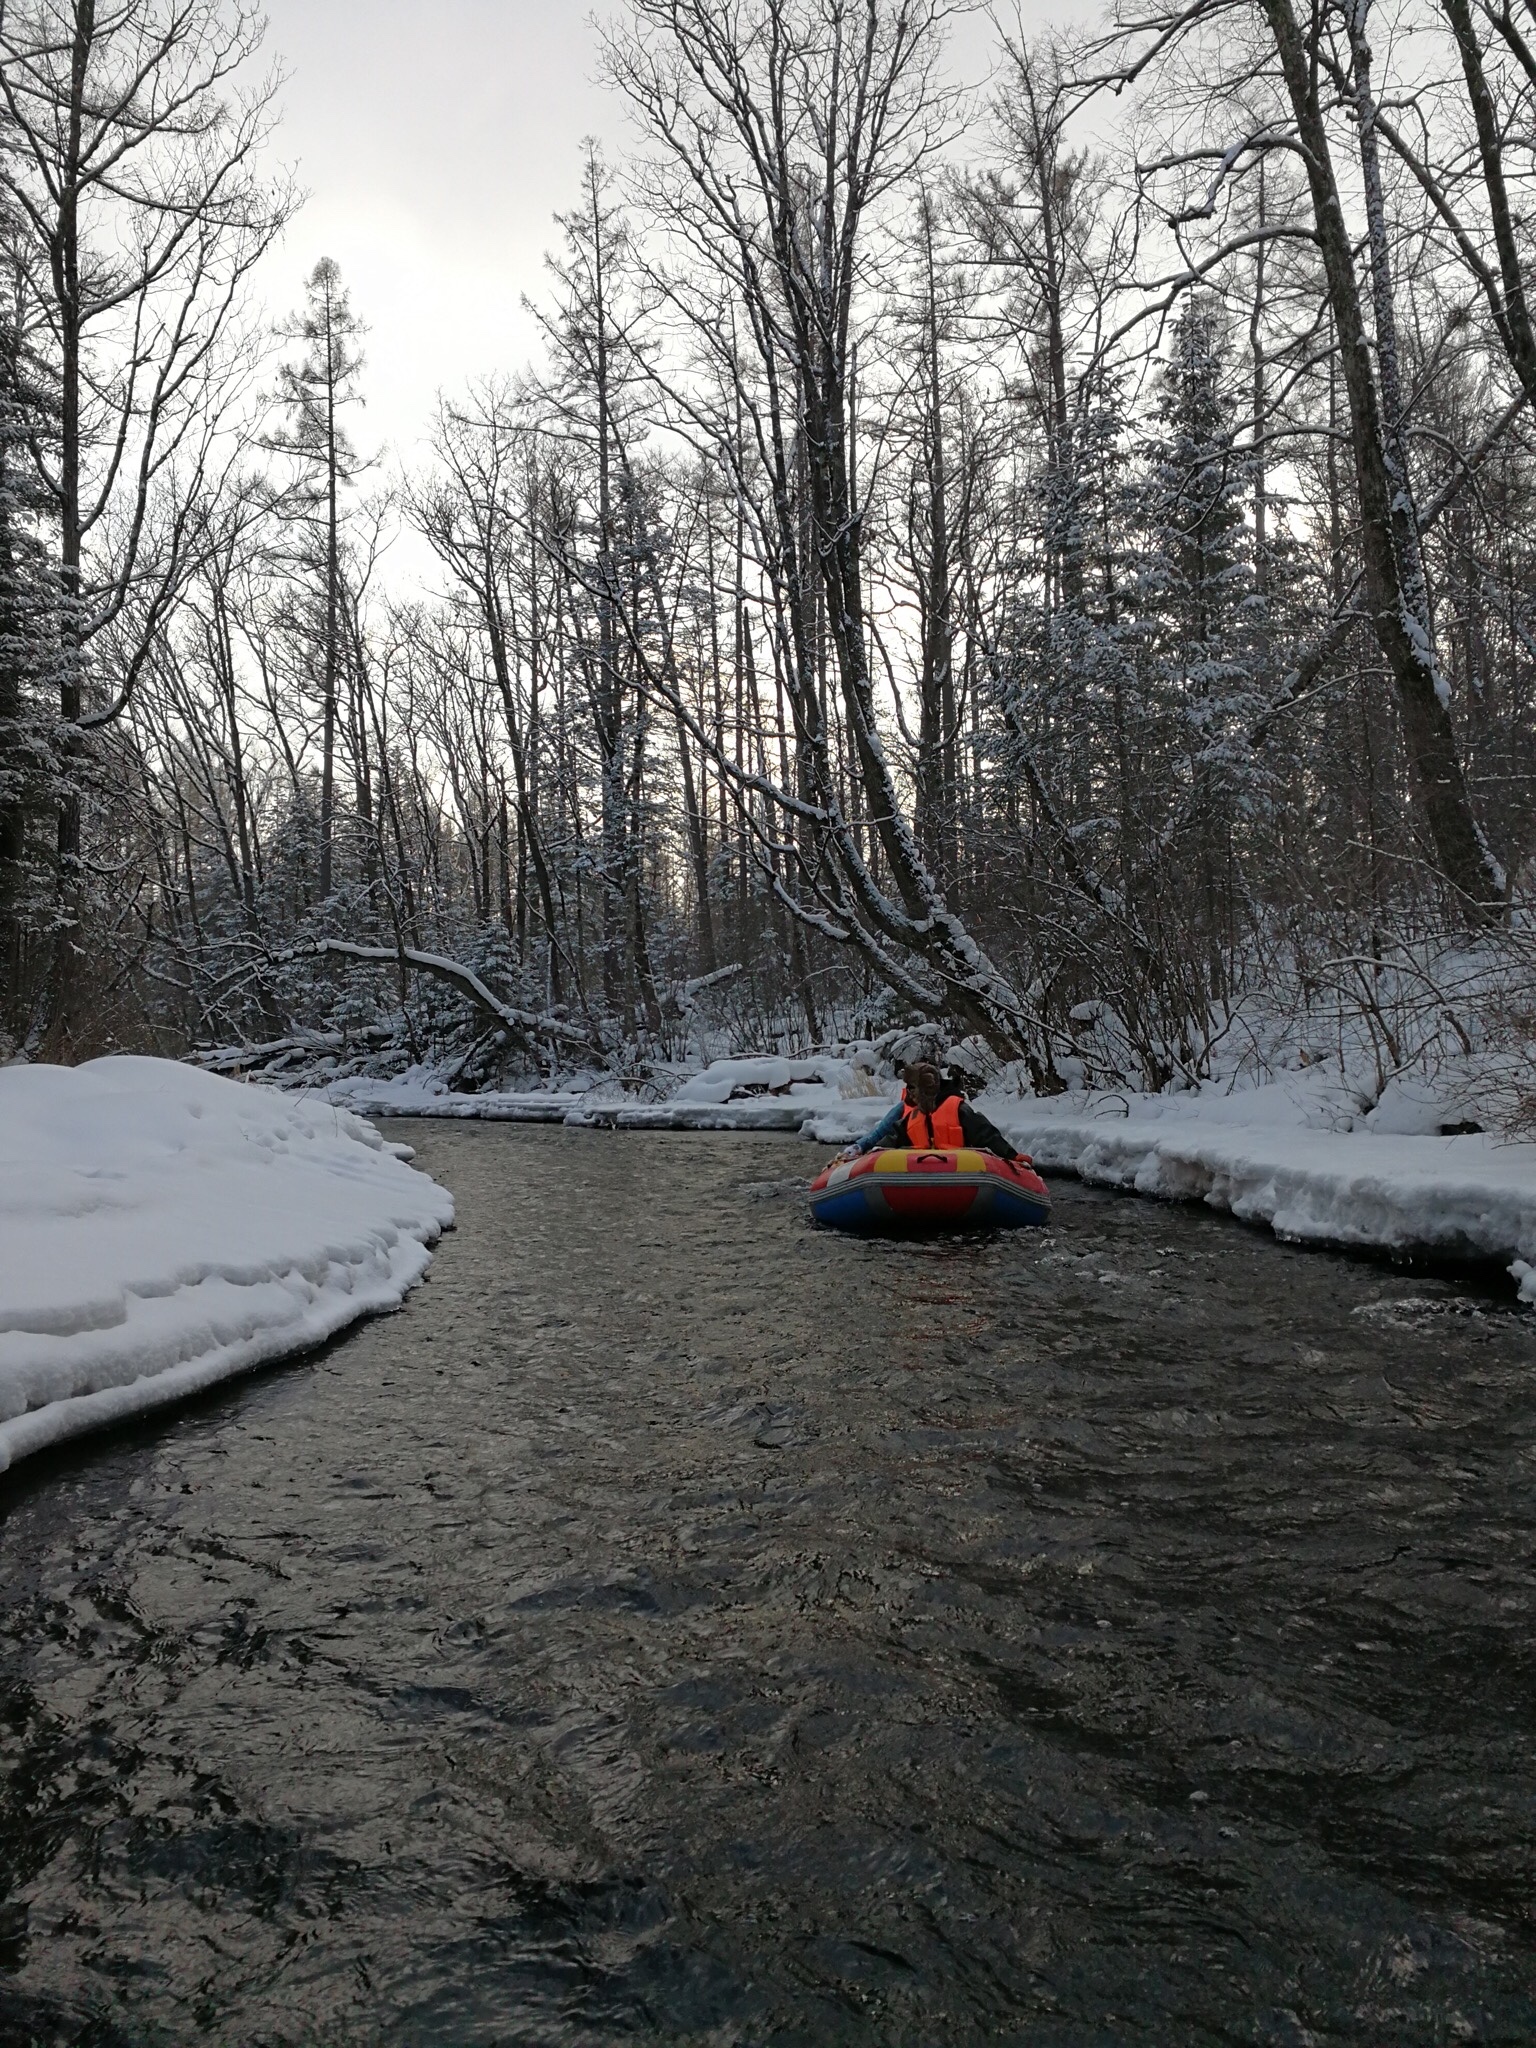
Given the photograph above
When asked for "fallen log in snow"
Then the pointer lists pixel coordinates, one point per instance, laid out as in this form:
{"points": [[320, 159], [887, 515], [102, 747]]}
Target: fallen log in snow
{"points": [[521, 1025]]}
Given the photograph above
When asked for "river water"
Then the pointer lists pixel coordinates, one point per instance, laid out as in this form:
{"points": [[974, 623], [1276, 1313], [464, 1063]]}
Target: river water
{"points": [[681, 1625]]}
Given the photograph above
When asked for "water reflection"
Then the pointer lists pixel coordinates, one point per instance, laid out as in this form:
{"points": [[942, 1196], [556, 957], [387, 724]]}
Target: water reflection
{"points": [[682, 1625]]}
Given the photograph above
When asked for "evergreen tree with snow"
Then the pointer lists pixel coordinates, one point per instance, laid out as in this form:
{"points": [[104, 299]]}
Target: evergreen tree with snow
{"points": [[1196, 576], [316, 391], [1200, 619]]}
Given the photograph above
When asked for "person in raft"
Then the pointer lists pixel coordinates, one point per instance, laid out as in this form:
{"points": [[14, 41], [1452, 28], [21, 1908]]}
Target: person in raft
{"points": [[931, 1117]]}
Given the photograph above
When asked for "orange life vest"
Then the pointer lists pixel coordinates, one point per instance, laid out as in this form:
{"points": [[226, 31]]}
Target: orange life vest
{"points": [[940, 1132]]}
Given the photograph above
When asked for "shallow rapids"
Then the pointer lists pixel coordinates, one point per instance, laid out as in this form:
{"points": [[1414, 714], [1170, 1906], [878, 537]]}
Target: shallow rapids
{"points": [[681, 1625]]}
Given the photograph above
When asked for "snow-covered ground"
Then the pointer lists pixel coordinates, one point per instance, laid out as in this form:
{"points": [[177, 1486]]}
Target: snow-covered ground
{"points": [[759, 1094], [1292, 1154], [161, 1229], [1299, 1153]]}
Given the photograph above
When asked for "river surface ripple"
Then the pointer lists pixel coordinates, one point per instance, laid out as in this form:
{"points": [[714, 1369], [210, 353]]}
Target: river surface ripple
{"points": [[680, 1625]]}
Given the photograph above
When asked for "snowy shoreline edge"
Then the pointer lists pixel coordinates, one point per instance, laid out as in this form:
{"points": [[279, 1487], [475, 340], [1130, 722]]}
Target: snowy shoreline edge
{"points": [[80, 1414], [1258, 1155], [162, 1231], [1403, 1196]]}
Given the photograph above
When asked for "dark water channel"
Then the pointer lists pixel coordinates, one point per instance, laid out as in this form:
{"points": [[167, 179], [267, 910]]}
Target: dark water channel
{"points": [[682, 1626]]}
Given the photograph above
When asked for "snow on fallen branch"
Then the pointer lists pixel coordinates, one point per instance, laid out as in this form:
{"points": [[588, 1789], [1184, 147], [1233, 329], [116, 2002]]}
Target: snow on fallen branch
{"points": [[521, 1024], [238, 1059], [685, 995]]}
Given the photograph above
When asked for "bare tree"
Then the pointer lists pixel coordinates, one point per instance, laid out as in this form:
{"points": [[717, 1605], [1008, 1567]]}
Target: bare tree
{"points": [[141, 210], [1279, 98], [788, 134], [29, 662], [481, 519]]}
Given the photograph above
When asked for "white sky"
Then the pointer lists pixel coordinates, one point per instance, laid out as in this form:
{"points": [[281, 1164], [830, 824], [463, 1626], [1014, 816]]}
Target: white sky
{"points": [[436, 138]]}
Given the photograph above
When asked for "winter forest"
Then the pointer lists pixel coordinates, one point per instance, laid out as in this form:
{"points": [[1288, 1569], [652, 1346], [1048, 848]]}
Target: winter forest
{"points": [[1048, 557]]}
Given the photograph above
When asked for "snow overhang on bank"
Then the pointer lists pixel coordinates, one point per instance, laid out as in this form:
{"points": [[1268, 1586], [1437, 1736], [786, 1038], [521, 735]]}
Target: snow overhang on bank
{"points": [[161, 1230], [1259, 1154]]}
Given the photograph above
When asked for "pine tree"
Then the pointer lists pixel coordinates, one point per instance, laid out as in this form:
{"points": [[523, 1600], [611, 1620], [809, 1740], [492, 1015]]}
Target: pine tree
{"points": [[315, 391], [1198, 571], [1201, 616]]}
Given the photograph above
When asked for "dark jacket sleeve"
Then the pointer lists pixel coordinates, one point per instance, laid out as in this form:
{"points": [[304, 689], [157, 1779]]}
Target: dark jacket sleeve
{"points": [[982, 1135]]}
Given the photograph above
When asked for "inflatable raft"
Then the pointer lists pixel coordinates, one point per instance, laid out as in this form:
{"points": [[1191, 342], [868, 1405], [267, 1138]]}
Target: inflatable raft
{"points": [[915, 1190]]}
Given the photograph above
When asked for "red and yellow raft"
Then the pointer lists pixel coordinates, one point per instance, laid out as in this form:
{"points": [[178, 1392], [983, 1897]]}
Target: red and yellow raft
{"points": [[905, 1190]]}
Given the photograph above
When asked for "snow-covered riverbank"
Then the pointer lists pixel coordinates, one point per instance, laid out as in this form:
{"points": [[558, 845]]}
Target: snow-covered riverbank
{"points": [[768, 1093], [1467, 1197], [1297, 1154], [161, 1230], [1287, 1156]]}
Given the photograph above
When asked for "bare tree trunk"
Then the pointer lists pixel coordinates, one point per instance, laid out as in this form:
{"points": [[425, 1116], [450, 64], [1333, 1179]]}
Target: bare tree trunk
{"points": [[1508, 299], [1462, 853], [934, 809], [1260, 409]]}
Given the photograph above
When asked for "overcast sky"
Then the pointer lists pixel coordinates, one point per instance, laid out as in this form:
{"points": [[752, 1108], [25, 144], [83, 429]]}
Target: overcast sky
{"points": [[436, 138]]}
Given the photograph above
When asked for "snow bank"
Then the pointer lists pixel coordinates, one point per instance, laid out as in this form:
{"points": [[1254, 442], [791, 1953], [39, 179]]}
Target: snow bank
{"points": [[423, 1092], [767, 1094], [759, 1094], [161, 1229], [1315, 1154], [724, 1081], [1462, 1198], [1277, 1155]]}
